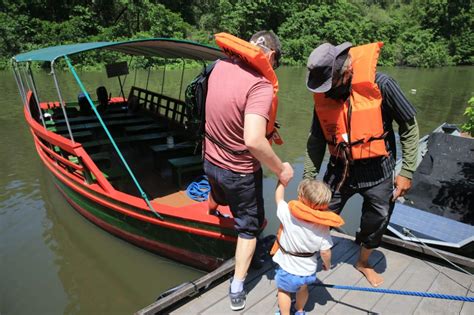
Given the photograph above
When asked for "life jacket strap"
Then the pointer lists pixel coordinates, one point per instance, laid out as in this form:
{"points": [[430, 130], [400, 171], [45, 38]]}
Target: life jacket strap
{"points": [[284, 251]]}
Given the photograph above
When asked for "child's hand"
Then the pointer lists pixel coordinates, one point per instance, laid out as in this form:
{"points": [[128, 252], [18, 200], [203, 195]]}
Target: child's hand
{"points": [[326, 267]]}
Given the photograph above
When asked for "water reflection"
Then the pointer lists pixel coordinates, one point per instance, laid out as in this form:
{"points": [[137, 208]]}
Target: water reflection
{"points": [[99, 272]]}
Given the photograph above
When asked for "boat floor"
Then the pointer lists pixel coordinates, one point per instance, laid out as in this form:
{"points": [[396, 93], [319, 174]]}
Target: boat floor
{"points": [[400, 271]]}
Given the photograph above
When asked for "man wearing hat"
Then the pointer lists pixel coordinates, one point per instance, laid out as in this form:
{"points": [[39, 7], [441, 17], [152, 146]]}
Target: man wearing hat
{"points": [[354, 108]]}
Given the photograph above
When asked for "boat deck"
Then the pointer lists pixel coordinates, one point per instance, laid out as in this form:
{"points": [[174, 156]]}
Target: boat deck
{"points": [[401, 272]]}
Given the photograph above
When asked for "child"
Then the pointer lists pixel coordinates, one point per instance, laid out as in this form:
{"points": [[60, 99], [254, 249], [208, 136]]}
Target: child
{"points": [[304, 231]]}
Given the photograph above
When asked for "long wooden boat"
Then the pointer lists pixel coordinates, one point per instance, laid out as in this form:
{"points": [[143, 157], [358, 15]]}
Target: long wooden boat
{"points": [[438, 211], [103, 172]]}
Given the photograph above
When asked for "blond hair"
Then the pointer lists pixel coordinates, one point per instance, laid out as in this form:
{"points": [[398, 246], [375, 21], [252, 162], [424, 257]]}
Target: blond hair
{"points": [[314, 193]]}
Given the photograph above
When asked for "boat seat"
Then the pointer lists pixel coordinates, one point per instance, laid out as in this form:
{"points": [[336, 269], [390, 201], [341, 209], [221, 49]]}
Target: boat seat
{"points": [[80, 134], [182, 165], [145, 128], [163, 152], [113, 123], [93, 118], [102, 159]]}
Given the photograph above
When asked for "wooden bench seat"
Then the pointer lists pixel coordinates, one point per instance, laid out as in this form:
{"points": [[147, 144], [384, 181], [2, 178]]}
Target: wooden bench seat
{"points": [[80, 134], [112, 123], [182, 165], [156, 126], [163, 152], [93, 118], [134, 138]]}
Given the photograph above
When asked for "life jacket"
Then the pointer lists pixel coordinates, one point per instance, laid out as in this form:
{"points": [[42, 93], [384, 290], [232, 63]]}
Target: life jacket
{"points": [[356, 123], [301, 211], [255, 58]]}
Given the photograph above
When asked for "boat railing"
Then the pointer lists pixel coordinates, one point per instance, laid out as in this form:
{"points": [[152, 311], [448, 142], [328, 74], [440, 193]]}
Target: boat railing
{"points": [[70, 156], [163, 106]]}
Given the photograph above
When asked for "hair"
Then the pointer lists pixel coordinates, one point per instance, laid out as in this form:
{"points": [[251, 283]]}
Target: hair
{"points": [[271, 41], [314, 193]]}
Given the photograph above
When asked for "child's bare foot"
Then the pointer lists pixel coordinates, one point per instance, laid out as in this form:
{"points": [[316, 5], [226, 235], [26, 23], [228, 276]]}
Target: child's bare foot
{"points": [[370, 274]]}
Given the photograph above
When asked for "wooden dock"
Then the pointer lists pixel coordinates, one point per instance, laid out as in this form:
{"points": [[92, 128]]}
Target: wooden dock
{"points": [[400, 271]]}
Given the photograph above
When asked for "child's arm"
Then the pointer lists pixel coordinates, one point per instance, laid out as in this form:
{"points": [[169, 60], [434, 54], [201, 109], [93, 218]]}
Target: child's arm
{"points": [[326, 258], [279, 192]]}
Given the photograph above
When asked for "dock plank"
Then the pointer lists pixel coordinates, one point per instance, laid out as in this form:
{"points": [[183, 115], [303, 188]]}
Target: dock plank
{"points": [[401, 272], [447, 282], [417, 277], [468, 307], [396, 264]]}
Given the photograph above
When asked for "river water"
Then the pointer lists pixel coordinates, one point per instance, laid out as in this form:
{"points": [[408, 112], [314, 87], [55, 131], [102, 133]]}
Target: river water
{"points": [[53, 261]]}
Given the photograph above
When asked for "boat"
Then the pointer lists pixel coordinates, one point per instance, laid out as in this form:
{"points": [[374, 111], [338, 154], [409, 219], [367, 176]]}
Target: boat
{"points": [[438, 211], [123, 161]]}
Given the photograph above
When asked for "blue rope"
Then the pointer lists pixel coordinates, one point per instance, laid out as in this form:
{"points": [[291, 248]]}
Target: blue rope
{"points": [[414, 293], [199, 189], [142, 193]]}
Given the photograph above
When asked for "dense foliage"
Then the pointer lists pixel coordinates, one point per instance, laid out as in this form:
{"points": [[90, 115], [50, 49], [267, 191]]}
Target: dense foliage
{"points": [[423, 33], [468, 126]]}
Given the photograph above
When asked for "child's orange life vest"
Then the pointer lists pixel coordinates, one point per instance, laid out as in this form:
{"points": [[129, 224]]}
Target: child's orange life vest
{"points": [[255, 58]]}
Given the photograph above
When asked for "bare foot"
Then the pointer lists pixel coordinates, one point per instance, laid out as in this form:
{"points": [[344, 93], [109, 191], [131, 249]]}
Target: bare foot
{"points": [[368, 271]]}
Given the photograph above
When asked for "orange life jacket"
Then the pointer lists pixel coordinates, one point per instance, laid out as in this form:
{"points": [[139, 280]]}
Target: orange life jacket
{"points": [[301, 211], [356, 122], [256, 58]]}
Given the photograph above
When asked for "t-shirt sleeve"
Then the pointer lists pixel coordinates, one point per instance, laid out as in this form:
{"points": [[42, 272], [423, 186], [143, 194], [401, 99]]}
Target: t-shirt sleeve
{"points": [[326, 242], [259, 99], [283, 212]]}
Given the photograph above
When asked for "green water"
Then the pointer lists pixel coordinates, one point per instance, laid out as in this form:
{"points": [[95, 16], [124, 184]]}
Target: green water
{"points": [[54, 261]]}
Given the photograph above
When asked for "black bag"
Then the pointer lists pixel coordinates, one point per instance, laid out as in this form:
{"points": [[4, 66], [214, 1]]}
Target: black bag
{"points": [[195, 99]]}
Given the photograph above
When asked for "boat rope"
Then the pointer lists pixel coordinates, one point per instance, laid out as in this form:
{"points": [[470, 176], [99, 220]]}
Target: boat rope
{"points": [[142, 193], [407, 231], [199, 189], [399, 292]]}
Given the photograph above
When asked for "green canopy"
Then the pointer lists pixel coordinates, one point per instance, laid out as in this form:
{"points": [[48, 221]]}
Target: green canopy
{"points": [[157, 47]]}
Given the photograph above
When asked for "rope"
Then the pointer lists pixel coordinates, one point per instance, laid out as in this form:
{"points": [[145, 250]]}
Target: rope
{"points": [[407, 231], [388, 291], [199, 189], [142, 193]]}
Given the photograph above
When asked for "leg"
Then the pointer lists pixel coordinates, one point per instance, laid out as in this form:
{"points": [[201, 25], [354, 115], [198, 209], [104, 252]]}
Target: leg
{"points": [[367, 270], [284, 302], [376, 211], [301, 298], [243, 256]]}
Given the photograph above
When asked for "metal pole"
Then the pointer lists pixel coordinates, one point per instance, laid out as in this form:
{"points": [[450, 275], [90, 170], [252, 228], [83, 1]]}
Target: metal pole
{"points": [[182, 76], [17, 80], [35, 94], [61, 102], [163, 78], [147, 78]]}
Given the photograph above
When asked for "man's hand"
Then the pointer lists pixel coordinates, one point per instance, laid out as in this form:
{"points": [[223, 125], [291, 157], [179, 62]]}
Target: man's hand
{"points": [[286, 174], [402, 185]]}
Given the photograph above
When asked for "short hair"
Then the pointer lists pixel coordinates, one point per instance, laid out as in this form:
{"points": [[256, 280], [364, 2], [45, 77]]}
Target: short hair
{"points": [[314, 193], [270, 40]]}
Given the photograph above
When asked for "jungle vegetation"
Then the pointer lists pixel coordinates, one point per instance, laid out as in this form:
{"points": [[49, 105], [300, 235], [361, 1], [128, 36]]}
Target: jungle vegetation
{"points": [[418, 33]]}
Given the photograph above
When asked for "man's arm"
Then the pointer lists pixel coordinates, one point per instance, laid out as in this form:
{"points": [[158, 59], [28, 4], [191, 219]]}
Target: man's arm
{"points": [[254, 137], [404, 114], [326, 258], [315, 149]]}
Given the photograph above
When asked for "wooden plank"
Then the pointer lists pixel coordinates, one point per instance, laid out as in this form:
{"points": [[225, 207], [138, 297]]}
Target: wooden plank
{"points": [[322, 300], [190, 288], [468, 307], [417, 277], [457, 259], [451, 282], [391, 266]]}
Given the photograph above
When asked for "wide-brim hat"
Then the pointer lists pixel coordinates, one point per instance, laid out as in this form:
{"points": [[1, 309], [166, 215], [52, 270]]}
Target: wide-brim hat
{"points": [[321, 66]]}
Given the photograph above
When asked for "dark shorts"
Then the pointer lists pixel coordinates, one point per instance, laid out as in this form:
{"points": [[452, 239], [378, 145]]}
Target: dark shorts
{"points": [[244, 195], [376, 210]]}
